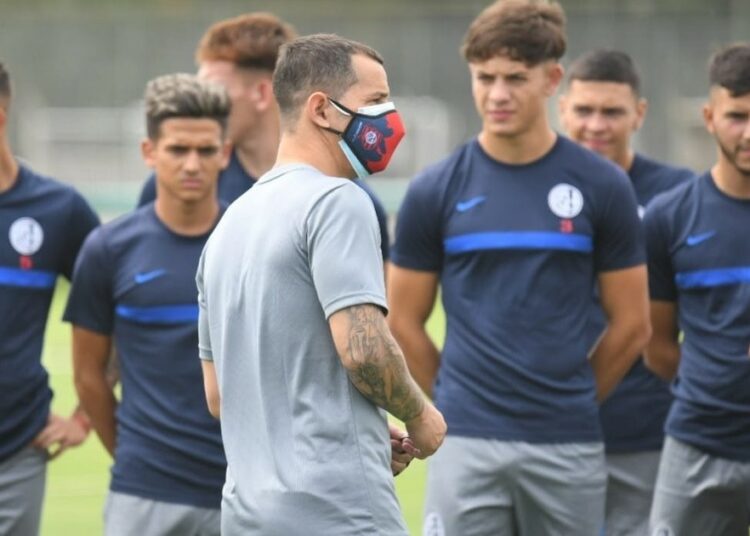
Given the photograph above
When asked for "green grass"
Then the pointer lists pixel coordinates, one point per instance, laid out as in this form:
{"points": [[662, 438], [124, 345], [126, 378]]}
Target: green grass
{"points": [[77, 482]]}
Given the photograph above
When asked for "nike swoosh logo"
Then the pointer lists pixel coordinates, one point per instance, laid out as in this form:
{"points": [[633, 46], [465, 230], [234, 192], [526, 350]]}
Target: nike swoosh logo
{"points": [[694, 240], [463, 206], [145, 277]]}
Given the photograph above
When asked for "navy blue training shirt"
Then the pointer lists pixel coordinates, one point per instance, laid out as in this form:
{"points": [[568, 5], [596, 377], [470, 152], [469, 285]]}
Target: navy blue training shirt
{"points": [[235, 181], [135, 281], [633, 415], [518, 248], [699, 258], [43, 224]]}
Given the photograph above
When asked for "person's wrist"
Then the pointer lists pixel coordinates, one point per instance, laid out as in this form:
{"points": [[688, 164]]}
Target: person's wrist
{"points": [[82, 421]]}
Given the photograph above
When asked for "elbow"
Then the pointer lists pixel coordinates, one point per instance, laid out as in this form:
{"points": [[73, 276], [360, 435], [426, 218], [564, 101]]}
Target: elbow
{"points": [[86, 385], [640, 334], [214, 405]]}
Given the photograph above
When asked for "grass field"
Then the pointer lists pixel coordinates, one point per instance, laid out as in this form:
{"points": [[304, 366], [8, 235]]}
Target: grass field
{"points": [[77, 482]]}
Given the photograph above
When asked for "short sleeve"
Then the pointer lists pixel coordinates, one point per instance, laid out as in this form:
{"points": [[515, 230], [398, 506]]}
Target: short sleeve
{"points": [[82, 221], [618, 236], [204, 336], [343, 246], [661, 281], [382, 216], [91, 302], [148, 192], [418, 243]]}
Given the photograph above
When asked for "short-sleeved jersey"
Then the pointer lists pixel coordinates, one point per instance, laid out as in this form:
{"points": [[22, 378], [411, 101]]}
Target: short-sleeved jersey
{"points": [[43, 224], [235, 181], [134, 281], [633, 415], [699, 258], [517, 248], [304, 447]]}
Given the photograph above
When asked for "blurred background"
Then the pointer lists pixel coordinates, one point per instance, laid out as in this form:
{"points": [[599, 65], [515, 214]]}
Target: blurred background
{"points": [[79, 68]]}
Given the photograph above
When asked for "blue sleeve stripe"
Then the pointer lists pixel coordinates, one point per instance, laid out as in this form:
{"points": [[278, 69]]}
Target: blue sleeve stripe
{"points": [[518, 240], [713, 278], [163, 314], [15, 277]]}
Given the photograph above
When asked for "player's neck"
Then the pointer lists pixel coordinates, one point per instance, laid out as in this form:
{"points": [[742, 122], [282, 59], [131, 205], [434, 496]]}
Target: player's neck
{"points": [[187, 219], [625, 160], [8, 167], [730, 180], [310, 149], [256, 151], [522, 149]]}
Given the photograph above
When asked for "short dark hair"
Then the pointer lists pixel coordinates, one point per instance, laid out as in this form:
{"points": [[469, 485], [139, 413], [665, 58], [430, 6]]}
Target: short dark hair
{"points": [[606, 66], [319, 62], [184, 96], [251, 41], [4, 82], [730, 69], [523, 30]]}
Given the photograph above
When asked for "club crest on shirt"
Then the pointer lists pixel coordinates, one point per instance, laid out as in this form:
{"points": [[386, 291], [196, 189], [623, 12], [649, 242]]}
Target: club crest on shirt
{"points": [[26, 235], [565, 200]]}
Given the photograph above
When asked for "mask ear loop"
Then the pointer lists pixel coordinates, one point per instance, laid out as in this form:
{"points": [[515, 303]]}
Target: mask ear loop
{"points": [[342, 110]]}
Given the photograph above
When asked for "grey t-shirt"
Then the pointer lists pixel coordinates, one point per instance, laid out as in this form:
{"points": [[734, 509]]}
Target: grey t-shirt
{"points": [[307, 453]]}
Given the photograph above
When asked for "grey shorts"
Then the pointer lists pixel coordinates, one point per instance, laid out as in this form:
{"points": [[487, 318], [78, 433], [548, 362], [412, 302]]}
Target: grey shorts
{"points": [[630, 491], [699, 495], [22, 479], [480, 487], [128, 515]]}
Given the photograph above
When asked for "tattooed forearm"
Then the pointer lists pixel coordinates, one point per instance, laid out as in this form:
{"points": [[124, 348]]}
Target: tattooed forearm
{"points": [[376, 365]]}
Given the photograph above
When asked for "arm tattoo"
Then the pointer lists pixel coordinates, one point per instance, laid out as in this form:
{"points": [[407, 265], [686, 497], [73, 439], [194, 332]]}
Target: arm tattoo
{"points": [[378, 368]]}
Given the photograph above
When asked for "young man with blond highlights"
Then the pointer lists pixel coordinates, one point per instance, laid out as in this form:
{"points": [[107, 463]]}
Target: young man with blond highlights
{"points": [[134, 290], [517, 226], [699, 279], [43, 224], [297, 357], [601, 109]]}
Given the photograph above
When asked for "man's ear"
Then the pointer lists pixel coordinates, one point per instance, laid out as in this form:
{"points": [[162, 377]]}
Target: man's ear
{"points": [[641, 108], [148, 150], [263, 95], [555, 73], [3, 115], [708, 116], [226, 153], [318, 109]]}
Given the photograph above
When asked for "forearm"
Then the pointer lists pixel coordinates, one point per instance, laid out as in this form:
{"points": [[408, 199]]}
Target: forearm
{"points": [[375, 364], [98, 401], [614, 355], [421, 354]]}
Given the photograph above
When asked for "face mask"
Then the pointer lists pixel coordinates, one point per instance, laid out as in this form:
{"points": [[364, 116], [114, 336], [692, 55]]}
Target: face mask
{"points": [[371, 137]]}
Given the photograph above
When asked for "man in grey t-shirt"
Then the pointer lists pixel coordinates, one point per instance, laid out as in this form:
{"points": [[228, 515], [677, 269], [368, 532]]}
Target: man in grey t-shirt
{"points": [[297, 357]]}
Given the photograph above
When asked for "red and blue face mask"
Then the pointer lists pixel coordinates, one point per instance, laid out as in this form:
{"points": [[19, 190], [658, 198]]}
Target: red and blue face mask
{"points": [[371, 137]]}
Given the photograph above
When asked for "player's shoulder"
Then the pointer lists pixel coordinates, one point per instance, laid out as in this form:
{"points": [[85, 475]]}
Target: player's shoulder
{"points": [[37, 184], [672, 206], [124, 227], [683, 192], [587, 163], [441, 173], [653, 169]]}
